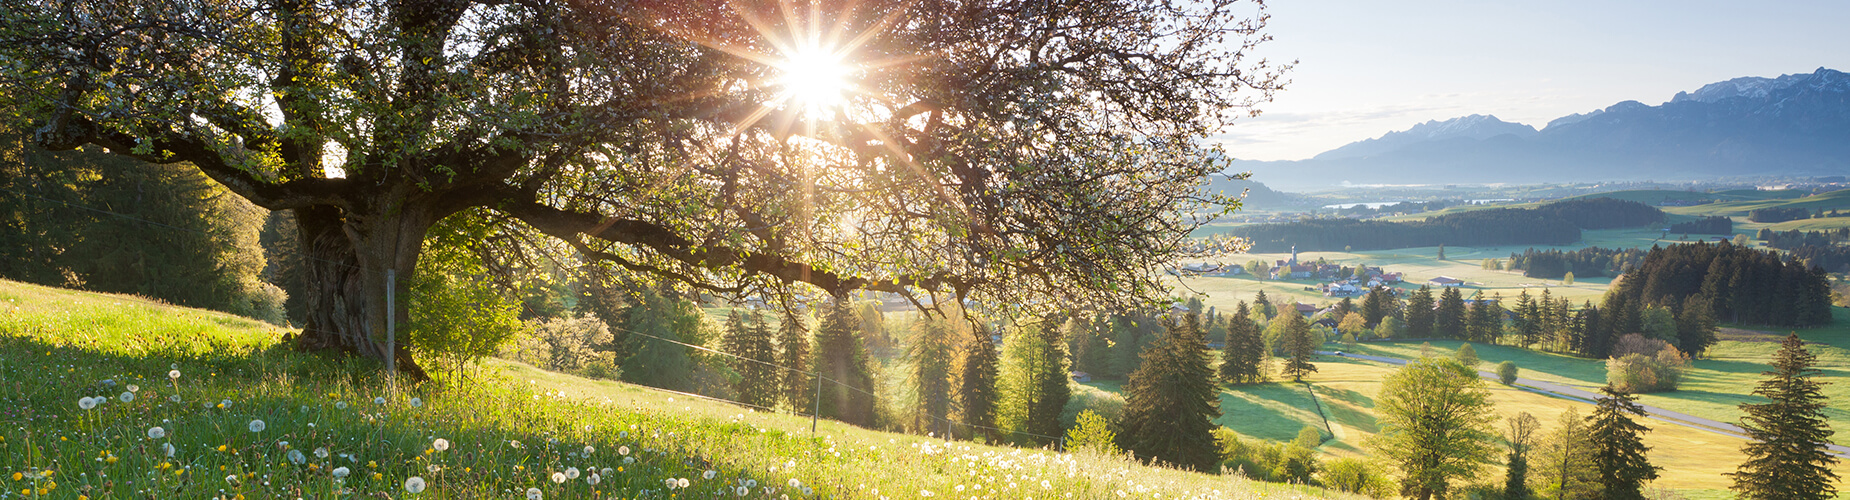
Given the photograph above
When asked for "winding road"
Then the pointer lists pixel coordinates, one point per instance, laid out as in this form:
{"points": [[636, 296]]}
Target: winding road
{"points": [[1589, 397]]}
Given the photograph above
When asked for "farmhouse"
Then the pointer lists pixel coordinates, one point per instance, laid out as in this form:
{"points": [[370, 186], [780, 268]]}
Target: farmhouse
{"points": [[1445, 281]]}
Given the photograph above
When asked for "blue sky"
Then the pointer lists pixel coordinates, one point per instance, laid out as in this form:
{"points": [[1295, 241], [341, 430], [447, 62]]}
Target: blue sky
{"points": [[1366, 67]]}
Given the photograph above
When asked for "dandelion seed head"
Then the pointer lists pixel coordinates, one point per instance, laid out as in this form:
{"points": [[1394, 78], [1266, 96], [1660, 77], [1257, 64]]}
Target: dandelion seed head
{"points": [[156, 433], [86, 403], [440, 444], [341, 472], [417, 403], [571, 473], [558, 477], [708, 474], [126, 397], [414, 485], [257, 426], [534, 494], [173, 374]]}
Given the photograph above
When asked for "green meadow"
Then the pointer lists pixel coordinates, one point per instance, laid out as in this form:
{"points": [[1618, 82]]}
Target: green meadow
{"points": [[112, 396]]}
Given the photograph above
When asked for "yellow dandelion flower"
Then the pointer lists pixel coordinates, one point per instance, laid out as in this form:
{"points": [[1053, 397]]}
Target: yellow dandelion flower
{"points": [[378, 476], [28, 491], [17, 476], [314, 466], [45, 473], [221, 448], [179, 472], [83, 497], [62, 438], [374, 464], [111, 459]]}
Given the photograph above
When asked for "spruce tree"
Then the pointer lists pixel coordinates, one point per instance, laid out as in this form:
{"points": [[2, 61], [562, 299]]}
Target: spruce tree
{"points": [[1377, 305], [660, 362], [796, 387], [1696, 325], [1529, 319], [1343, 308], [1298, 345], [1033, 384], [1263, 305], [1420, 314], [932, 347], [1449, 318], [1484, 321], [1786, 457], [1244, 353], [1618, 447], [1171, 400], [841, 358], [751, 340], [976, 392]]}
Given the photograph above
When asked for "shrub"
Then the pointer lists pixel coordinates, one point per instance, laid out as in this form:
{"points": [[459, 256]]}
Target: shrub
{"points": [[1092, 434], [1638, 344], [1467, 356], [1506, 372], [565, 344], [1355, 475], [1638, 373]]}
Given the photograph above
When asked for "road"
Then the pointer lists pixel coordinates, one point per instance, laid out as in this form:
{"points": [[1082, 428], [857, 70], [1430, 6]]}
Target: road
{"points": [[1585, 396]]}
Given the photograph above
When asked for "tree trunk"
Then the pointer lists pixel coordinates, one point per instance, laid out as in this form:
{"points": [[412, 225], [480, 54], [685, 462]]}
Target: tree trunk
{"points": [[346, 262]]}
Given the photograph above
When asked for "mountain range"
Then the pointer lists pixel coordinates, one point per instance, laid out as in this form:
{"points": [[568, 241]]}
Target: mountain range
{"points": [[1793, 125]]}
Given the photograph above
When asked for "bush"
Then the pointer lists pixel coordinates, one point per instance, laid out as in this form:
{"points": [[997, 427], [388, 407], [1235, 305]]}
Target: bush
{"points": [[566, 344], [1355, 475], [1638, 373], [1092, 434], [1506, 372], [1467, 356]]}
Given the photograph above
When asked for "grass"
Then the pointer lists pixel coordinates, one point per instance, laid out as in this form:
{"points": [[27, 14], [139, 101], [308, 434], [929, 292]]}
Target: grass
{"points": [[1839, 199], [1693, 460], [510, 427]]}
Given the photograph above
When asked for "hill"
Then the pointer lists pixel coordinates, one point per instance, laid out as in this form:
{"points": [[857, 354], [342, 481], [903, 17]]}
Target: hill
{"points": [[95, 412], [1792, 125], [1834, 200]]}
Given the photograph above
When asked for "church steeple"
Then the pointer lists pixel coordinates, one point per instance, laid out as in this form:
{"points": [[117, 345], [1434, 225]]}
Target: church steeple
{"points": [[1294, 255]]}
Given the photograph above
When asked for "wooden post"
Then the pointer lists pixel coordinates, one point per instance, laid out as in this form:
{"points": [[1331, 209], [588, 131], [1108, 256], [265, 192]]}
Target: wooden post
{"points": [[817, 412], [391, 329]]}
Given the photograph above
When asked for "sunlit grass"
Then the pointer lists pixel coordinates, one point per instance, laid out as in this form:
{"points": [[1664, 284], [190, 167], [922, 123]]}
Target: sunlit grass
{"points": [[332, 428]]}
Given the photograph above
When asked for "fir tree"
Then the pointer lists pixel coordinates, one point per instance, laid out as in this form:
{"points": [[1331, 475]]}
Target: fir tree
{"points": [[932, 347], [1449, 318], [1034, 383], [1484, 321], [1618, 446], [1529, 319], [1343, 308], [1263, 305], [1377, 305], [1298, 345], [1786, 457], [1696, 325], [758, 380], [660, 362], [1420, 314], [797, 387], [1594, 340], [841, 358], [976, 392], [1171, 401], [1244, 353]]}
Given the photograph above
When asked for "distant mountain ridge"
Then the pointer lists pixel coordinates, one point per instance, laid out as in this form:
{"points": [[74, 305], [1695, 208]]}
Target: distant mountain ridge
{"points": [[1790, 125]]}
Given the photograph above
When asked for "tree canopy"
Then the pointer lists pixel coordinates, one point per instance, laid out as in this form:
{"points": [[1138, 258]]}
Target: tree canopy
{"points": [[996, 150]]}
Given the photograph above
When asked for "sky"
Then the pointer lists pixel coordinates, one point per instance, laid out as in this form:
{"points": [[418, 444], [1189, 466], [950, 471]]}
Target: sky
{"points": [[1367, 67]]}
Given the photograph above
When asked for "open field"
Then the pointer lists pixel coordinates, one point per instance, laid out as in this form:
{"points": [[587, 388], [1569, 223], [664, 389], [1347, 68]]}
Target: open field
{"points": [[1839, 200], [507, 428], [1693, 460]]}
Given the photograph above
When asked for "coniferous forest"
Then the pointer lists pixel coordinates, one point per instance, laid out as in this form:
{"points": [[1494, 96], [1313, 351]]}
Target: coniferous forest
{"points": [[1557, 223], [1741, 285]]}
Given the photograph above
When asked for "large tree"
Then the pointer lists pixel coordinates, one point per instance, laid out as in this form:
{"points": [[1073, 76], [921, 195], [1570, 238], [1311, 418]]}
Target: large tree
{"points": [[932, 349], [1420, 313], [1449, 318], [1034, 383], [997, 150], [1171, 401], [1243, 357], [841, 359], [1435, 418], [1299, 347], [976, 389], [1786, 457], [1618, 447], [1564, 467]]}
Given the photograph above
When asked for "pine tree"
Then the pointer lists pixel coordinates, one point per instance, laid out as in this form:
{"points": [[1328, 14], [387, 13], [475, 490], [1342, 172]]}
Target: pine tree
{"points": [[1171, 401], [1420, 314], [932, 347], [1263, 305], [976, 392], [1343, 308], [797, 387], [1787, 458], [1595, 340], [1449, 318], [1377, 305], [1033, 383], [1484, 321], [841, 358], [1618, 446], [751, 340], [1244, 353], [1530, 319], [1298, 345], [1696, 325]]}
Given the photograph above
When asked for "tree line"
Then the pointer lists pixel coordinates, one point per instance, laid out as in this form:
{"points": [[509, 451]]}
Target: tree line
{"points": [[1590, 262], [1715, 224], [1737, 284], [1557, 223]]}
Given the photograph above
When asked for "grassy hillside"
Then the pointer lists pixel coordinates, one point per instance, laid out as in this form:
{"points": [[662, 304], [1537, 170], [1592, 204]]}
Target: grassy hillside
{"points": [[1657, 196], [1832, 200], [508, 429]]}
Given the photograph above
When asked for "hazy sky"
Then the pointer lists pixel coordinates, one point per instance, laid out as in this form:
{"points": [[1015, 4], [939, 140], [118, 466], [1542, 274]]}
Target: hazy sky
{"points": [[1366, 67]]}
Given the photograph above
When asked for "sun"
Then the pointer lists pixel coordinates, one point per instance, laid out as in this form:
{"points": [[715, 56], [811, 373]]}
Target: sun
{"points": [[815, 80]]}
